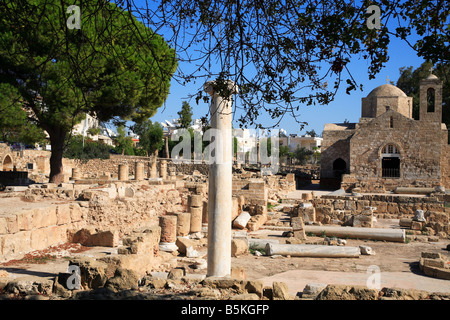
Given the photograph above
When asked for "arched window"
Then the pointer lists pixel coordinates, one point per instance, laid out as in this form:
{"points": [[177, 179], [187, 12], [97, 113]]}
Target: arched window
{"points": [[390, 149], [7, 164], [391, 122], [430, 100]]}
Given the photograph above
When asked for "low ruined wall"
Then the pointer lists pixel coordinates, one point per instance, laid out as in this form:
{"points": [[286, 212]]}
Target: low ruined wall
{"points": [[339, 208], [367, 184], [37, 227], [48, 215], [254, 190], [127, 207]]}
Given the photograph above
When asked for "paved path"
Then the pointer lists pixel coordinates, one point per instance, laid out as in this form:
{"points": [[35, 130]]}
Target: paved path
{"points": [[297, 280]]}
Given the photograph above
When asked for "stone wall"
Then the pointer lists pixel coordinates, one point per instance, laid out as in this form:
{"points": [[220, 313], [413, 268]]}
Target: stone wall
{"points": [[254, 191], [419, 144], [38, 226], [445, 163], [336, 144], [339, 209], [46, 215]]}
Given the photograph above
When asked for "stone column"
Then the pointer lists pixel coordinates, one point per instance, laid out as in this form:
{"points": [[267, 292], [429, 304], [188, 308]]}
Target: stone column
{"points": [[168, 224], [123, 172], [196, 210], [76, 173], [139, 171], [205, 212], [220, 180], [183, 223], [153, 169], [163, 169]]}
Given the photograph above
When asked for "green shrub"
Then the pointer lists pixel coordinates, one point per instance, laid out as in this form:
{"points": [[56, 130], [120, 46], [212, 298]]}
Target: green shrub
{"points": [[91, 149]]}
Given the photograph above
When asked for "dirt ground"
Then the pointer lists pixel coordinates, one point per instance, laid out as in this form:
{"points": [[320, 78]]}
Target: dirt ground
{"points": [[389, 257]]}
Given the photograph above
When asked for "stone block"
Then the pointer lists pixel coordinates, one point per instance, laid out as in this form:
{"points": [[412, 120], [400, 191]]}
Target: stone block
{"points": [[123, 279], [417, 225], [392, 208], [93, 273], [76, 213], [255, 286], [280, 291], [16, 244], [290, 177], [239, 246], [361, 220], [24, 220], [238, 273], [236, 209], [339, 205], [103, 239], [184, 243], [11, 223], [176, 273], [306, 196], [241, 221], [256, 222], [3, 226], [307, 214], [38, 239], [63, 214], [56, 235]]}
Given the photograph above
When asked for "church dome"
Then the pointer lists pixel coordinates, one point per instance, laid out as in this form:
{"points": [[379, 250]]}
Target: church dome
{"points": [[387, 90]]}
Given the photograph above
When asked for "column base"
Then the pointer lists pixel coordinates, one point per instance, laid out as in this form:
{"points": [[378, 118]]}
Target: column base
{"points": [[168, 246]]}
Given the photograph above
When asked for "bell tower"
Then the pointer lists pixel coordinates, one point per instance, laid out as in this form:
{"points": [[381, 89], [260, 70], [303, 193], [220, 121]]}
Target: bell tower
{"points": [[431, 99]]}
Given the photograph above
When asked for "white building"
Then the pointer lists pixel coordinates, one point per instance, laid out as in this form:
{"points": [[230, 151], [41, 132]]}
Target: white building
{"points": [[306, 141], [82, 128]]}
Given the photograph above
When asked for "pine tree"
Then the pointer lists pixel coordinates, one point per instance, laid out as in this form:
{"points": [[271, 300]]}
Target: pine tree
{"points": [[185, 115]]}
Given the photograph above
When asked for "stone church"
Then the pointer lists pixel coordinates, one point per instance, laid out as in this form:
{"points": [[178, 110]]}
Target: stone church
{"points": [[388, 148]]}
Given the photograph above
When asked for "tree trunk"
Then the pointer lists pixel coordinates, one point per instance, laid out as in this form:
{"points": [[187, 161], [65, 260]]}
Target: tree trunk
{"points": [[166, 142], [57, 138]]}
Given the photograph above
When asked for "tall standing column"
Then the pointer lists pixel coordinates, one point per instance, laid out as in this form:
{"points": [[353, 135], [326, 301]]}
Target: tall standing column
{"points": [[220, 180]]}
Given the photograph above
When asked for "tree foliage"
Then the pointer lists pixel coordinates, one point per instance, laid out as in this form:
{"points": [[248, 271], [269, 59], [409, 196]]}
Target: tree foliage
{"points": [[113, 67], [123, 142], [302, 155], [151, 136], [185, 115], [91, 150], [287, 54], [14, 125]]}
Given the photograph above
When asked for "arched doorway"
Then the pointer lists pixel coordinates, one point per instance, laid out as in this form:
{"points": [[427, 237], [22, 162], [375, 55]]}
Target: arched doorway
{"points": [[7, 164], [390, 161], [339, 167]]}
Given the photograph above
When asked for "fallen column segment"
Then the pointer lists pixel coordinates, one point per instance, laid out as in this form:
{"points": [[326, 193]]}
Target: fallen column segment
{"points": [[395, 235], [311, 250]]}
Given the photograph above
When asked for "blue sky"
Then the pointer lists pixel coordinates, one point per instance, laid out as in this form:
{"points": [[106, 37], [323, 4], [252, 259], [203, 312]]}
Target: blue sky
{"points": [[344, 106]]}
